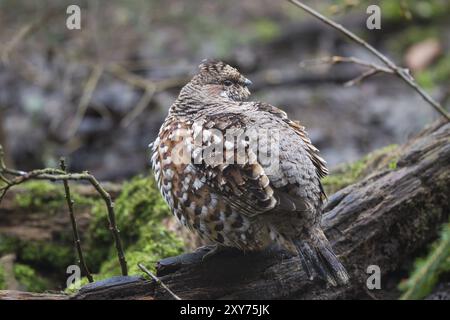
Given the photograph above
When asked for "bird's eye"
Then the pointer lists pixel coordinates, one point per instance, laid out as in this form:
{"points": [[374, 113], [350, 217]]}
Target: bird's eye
{"points": [[227, 83]]}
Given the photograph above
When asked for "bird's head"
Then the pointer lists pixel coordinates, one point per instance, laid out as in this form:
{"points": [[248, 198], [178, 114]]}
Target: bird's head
{"points": [[218, 79]]}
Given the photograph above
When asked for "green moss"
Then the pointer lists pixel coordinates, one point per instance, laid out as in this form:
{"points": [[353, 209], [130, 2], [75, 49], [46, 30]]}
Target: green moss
{"points": [[29, 279], [38, 194], [425, 80], [73, 288], [401, 41], [42, 255], [139, 209], [48, 255], [155, 243], [428, 270], [350, 173], [139, 202], [2, 278], [409, 9], [264, 30], [47, 196], [436, 74], [404, 10], [392, 164], [7, 245]]}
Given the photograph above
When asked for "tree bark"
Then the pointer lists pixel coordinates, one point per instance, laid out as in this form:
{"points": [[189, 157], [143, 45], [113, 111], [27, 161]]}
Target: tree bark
{"points": [[385, 220]]}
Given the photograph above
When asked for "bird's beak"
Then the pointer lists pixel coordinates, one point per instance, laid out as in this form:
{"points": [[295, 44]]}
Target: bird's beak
{"points": [[247, 82]]}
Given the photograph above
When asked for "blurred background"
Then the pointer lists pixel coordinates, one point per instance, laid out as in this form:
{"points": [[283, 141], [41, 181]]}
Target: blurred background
{"points": [[99, 94]]}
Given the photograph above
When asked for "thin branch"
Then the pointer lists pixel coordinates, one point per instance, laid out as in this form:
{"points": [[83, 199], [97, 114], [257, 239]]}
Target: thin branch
{"points": [[23, 32], [141, 82], [151, 87], [140, 107], [158, 281], [373, 68], [360, 78], [131, 78], [54, 175], [340, 59], [4, 169], [400, 72], [18, 37], [76, 235], [88, 90]]}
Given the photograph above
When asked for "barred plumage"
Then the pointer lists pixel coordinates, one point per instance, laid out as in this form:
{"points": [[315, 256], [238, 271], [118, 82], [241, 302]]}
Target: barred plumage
{"points": [[209, 164]]}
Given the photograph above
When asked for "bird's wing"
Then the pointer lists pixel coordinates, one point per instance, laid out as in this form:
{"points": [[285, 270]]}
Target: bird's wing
{"points": [[234, 171], [248, 184], [299, 130], [296, 176]]}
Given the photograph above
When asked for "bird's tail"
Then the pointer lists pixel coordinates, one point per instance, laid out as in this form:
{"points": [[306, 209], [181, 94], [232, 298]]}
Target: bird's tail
{"points": [[317, 256]]}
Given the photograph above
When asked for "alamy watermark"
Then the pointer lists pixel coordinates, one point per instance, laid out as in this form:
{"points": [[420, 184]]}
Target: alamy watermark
{"points": [[73, 21], [74, 279], [374, 19], [214, 147], [374, 280]]}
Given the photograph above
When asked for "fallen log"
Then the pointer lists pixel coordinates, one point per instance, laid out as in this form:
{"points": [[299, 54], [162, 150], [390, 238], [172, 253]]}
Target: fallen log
{"points": [[386, 220], [21, 295], [38, 224]]}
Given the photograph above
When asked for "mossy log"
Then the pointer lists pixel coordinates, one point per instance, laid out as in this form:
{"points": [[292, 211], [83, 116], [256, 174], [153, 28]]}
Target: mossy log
{"points": [[386, 219], [19, 221]]}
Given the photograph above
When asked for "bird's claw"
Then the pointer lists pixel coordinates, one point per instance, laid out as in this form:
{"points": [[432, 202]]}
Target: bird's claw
{"points": [[212, 250]]}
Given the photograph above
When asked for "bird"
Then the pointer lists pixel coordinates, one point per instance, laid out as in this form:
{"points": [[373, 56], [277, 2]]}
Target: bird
{"points": [[241, 173]]}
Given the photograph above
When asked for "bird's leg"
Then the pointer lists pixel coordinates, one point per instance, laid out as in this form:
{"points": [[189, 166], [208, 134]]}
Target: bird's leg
{"points": [[212, 250]]}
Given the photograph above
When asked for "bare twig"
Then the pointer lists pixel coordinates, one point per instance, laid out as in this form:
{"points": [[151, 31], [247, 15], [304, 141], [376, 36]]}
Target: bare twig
{"points": [[151, 87], [130, 78], [144, 83], [373, 68], [54, 175], [140, 107], [339, 59], [76, 235], [88, 90], [23, 32], [158, 281], [361, 77], [400, 72]]}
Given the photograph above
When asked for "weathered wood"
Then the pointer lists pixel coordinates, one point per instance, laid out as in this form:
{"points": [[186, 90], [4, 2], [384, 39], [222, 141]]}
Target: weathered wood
{"points": [[383, 220], [120, 287], [20, 295]]}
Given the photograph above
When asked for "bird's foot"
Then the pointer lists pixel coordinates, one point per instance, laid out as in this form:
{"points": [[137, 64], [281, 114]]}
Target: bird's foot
{"points": [[211, 250]]}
